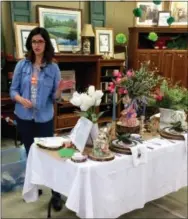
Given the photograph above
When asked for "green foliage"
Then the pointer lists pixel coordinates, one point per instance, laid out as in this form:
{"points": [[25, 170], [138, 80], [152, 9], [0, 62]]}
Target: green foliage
{"points": [[121, 38], [153, 36], [173, 97], [91, 114], [141, 84], [177, 126], [137, 12], [157, 2], [170, 20]]}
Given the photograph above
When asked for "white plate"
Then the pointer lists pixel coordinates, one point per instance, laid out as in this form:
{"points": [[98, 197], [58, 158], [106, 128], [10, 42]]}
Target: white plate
{"points": [[51, 142], [173, 132]]}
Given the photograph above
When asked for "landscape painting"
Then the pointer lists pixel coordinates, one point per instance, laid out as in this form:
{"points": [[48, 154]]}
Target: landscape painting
{"points": [[63, 25]]}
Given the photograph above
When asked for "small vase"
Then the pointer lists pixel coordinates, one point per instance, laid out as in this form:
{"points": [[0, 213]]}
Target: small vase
{"points": [[93, 134]]}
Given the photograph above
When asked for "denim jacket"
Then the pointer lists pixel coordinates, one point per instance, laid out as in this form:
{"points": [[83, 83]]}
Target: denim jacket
{"points": [[46, 88]]}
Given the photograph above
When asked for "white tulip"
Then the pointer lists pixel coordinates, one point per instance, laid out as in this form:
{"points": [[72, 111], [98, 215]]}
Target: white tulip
{"points": [[98, 102], [84, 107], [91, 90], [98, 94], [86, 100], [76, 101]]}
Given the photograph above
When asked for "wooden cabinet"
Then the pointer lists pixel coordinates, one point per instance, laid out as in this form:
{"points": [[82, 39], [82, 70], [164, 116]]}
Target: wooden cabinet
{"points": [[153, 56], [170, 63], [180, 68], [167, 63], [88, 72]]}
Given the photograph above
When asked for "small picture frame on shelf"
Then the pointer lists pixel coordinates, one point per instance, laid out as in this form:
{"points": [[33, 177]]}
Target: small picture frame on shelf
{"points": [[104, 41], [22, 31], [179, 11], [54, 44], [162, 18]]}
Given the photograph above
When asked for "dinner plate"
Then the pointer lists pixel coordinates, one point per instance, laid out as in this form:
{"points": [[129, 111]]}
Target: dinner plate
{"points": [[121, 144], [51, 142], [172, 131]]}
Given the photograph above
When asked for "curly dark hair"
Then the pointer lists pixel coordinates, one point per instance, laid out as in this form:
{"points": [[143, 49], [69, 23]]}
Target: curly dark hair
{"points": [[49, 50]]}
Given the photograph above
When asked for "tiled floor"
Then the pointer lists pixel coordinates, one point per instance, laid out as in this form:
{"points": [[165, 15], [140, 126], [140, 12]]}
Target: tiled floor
{"points": [[171, 206]]}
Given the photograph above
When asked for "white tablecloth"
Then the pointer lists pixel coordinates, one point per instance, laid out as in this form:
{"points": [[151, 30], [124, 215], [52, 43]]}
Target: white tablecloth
{"points": [[108, 189]]}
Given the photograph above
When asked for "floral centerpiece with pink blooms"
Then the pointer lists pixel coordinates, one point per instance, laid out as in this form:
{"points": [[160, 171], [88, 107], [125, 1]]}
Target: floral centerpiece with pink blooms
{"points": [[134, 87]]}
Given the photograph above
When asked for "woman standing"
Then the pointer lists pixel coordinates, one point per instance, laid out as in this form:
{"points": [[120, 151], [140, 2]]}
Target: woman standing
{"points": [[35, 86]]}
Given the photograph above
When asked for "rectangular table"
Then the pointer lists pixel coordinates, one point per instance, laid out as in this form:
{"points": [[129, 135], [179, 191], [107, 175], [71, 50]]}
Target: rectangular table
{"points": [[108, 189]]}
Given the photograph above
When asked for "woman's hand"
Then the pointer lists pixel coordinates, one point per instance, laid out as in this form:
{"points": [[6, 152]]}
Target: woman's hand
{"points": [[26, 103], [65, 85]]}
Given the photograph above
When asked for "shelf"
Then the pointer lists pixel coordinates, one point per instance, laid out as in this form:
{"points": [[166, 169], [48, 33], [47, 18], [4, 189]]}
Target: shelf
{"points": [[105, 119], [70, 58]]}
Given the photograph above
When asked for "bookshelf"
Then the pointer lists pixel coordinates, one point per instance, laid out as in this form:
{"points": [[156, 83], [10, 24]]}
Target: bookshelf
{"points": [[89, 70]]}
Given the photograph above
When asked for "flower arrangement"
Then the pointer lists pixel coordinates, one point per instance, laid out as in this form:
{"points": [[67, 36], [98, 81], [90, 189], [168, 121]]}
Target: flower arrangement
{"points": [[136, 84], [170, 96], [88, 103], [135, 88]]}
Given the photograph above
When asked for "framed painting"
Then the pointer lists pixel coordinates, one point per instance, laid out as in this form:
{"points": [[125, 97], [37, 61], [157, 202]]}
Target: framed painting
{"points": [[22, 31], [162, 18], [54, 44], [104, 41], [63, 24], [179, 10], [149, 13]]}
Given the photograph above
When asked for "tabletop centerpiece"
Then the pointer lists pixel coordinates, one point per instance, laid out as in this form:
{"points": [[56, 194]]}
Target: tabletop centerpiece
{"points": [[86, 129], [134, 88]]}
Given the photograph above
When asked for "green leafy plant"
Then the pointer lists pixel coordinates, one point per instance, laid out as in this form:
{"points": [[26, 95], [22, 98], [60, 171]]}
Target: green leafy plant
{"points": [[121, 38], [170, 96], [139, 84]]}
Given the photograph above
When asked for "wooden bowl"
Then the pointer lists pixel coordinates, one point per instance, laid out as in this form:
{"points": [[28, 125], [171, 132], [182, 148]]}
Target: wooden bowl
{"points": [[124, 129]]}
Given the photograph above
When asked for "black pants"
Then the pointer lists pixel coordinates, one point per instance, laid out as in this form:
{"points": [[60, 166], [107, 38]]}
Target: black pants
{"points": [[29, 129]]}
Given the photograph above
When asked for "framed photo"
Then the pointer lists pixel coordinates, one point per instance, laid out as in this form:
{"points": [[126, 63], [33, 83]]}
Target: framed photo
{"points": [[63, 24], [149, 13], [22, 31], [162, 18], [54, 44], [179, 10], [104, 41]]}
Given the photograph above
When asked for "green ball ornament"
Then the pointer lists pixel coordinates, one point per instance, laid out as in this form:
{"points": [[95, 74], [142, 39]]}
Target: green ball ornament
{"points": [[157, 2], [137, 12], [153, 36], [121, 38], [170, 20]]}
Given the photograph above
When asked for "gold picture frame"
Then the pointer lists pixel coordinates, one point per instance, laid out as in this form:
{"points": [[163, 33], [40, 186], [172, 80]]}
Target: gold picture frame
{"points": [[149, 14], [179, 10], [22, 30], [104, 41]]}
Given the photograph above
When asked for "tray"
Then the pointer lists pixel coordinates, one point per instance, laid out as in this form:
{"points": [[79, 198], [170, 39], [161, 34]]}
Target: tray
{"points": [[79, 161], [168, 135], [121, 151], [49, 148], [107, 158]]}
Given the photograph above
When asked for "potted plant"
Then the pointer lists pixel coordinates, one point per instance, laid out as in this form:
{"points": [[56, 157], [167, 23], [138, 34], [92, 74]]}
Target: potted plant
{"points": [[135, 88], [172, 100]]}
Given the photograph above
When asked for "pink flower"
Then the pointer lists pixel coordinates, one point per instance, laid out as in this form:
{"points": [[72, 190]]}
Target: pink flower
{"points": [[121, 90], [130, 73], [118, 79], [116, 73], [112, 90], [119, 74], [159, 97], [111, 84], [125, 91]]}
